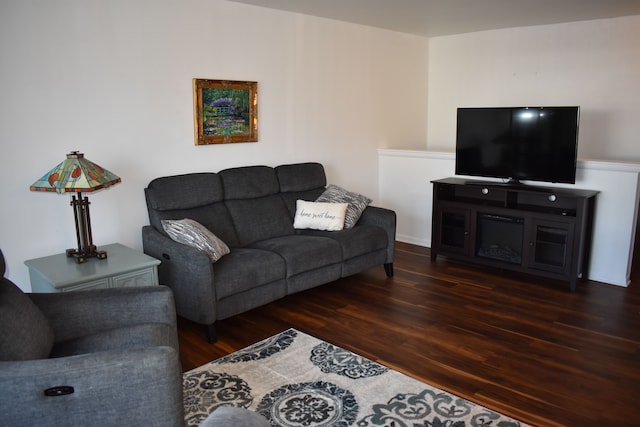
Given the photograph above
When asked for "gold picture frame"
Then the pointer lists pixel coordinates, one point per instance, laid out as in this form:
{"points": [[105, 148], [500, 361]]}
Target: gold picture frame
{"points": [[225, 111]]}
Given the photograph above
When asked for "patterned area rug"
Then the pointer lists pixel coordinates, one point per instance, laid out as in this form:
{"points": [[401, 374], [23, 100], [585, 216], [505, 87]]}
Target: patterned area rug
{"points": [[295, 380]]}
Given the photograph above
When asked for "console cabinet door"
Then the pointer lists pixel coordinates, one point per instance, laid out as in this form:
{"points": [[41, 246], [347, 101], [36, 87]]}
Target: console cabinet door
{"points": [[453, 230], [551, 245]]}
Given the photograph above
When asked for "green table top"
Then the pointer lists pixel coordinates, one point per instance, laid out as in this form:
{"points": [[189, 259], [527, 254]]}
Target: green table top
{"points": [[60, 270]]}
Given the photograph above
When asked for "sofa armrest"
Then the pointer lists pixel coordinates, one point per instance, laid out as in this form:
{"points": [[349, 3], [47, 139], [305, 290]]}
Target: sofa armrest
{"points": [[135, 387], [187, 271], [76, 314], [385, 219]]}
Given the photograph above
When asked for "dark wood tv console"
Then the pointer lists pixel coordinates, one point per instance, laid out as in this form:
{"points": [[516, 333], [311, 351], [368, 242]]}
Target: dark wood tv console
{"points": [[537, 230]]}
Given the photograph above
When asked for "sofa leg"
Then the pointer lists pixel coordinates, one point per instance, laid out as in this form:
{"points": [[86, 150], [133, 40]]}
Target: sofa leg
{"points": [[388, 268], [212, 336]]}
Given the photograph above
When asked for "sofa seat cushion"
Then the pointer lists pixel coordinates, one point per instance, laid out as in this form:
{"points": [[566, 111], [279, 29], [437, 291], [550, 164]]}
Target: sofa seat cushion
{"points": [[360, 240], [246, 268], [124, 338], [303, 253]]}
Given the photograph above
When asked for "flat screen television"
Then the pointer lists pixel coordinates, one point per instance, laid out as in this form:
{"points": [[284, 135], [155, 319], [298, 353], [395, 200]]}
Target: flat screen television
{"points": [[518, 143]]}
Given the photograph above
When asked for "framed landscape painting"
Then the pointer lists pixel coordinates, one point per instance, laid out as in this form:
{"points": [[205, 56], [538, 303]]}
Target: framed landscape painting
{"points": [[225, 111]]}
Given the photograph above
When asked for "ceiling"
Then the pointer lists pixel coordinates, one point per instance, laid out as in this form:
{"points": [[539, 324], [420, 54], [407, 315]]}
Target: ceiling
{"points": [[432, 18]]}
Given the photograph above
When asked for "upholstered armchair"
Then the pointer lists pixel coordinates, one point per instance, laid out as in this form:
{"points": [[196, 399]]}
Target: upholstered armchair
{"points": [[106, 357]]}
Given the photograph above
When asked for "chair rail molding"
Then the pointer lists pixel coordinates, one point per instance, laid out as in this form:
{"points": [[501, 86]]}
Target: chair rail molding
{"points": [[404, 185]]}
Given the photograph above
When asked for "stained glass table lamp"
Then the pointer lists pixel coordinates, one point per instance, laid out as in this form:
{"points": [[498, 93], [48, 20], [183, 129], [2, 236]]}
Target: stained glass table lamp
{"points": [[78, 175]]}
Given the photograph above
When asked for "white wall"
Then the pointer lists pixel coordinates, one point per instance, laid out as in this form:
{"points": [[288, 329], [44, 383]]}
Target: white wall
{"points": [[113, 79], [593, 64]]}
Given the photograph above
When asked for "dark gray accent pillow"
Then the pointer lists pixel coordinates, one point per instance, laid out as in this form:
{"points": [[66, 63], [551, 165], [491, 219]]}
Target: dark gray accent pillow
{"points": [[357, 202], [25, 333]]}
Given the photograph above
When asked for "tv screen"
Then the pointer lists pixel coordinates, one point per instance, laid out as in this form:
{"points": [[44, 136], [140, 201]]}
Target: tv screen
{"points": [[518, 143]]}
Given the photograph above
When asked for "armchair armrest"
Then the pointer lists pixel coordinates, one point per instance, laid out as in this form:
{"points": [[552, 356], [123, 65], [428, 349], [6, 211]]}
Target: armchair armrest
{"points": [[386, 219], [136, 387], [187, 271], [75, 314]]}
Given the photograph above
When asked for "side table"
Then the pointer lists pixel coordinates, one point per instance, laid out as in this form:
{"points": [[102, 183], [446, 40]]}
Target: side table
{"points": [[124, 267]]}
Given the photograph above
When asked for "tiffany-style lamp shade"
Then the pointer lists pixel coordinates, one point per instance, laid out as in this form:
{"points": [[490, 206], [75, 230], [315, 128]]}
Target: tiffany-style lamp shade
{"points": [[78, 175]]}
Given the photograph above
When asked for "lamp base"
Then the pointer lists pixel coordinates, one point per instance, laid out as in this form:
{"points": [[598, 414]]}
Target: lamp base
{"points": [[82, 256], [86, 248]]}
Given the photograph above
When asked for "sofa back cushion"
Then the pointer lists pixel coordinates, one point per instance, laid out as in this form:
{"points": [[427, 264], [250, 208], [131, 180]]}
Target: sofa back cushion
{"points": [[248, 182], [25, 333], [300, 181], [301, 177], [257, 211], [184, 191], [196, 196]]}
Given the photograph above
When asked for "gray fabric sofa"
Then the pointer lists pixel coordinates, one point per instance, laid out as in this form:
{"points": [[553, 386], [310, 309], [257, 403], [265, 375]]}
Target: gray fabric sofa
{"points": [[252, 209], [106, 357]]}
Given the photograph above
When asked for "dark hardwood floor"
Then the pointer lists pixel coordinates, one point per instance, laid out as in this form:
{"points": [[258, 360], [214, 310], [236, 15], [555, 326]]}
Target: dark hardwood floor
{"points": [[521, 345]]}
